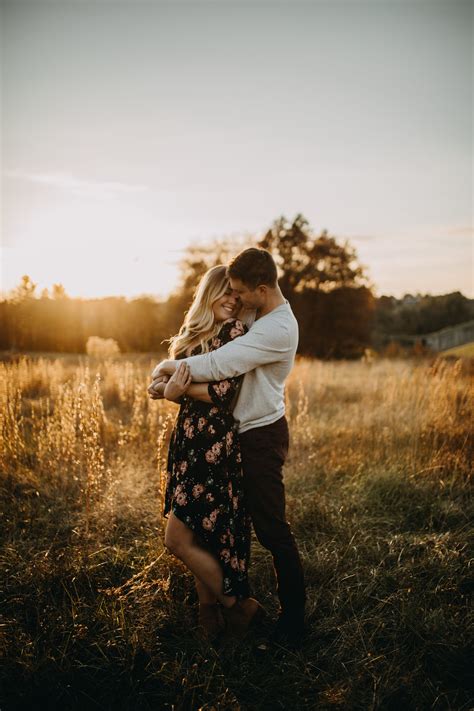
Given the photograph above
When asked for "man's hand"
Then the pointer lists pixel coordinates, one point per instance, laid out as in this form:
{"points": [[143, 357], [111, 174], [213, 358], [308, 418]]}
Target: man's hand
{"points": [[166, 367], [178, 383], [157, 388]]}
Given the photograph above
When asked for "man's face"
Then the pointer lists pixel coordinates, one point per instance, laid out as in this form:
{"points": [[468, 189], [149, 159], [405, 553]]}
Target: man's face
{"points": [[250, 298]]}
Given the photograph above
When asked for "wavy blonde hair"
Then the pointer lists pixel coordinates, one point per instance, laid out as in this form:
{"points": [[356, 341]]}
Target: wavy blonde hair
{"points": [[199, 322]]}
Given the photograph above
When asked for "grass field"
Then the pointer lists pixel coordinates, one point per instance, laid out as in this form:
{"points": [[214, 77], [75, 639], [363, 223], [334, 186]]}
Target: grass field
{"points": [[465, 351], [98, 615]]}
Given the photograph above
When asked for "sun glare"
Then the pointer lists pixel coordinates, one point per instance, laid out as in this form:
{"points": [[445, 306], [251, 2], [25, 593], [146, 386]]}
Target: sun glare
{"points": [[93, 250]]}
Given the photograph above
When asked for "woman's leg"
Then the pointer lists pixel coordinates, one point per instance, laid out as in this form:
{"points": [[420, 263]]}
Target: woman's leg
{"points": [[205, 594], [180, 540]]}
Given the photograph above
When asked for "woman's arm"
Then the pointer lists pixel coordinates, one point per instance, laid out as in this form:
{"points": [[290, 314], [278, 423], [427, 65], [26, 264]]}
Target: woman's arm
{"points": [[157, 392], [199, 391], [224, 391], [221, 392], [178, 384]]}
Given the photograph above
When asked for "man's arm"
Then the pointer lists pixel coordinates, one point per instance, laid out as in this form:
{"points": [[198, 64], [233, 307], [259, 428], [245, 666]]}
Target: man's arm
{"points": [[257, 347]]}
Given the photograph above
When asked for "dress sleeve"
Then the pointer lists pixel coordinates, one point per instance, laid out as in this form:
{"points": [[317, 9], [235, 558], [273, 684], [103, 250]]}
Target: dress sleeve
{"points": [[222, 392]]}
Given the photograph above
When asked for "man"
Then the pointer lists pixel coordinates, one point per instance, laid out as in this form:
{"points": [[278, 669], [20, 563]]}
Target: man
{"points": [[266, 355]]}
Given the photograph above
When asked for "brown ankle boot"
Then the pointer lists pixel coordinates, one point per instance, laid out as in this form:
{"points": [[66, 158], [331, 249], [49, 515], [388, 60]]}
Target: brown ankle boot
{"points": [[241, 616], [210, 620]]}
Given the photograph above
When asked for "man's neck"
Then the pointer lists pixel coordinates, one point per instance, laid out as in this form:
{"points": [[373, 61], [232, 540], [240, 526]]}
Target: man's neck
{"points": [[273, 301]]}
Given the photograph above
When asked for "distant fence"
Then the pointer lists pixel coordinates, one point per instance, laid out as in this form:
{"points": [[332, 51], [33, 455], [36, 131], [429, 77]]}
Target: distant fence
{"points": [[450, 337], [441, 340]]}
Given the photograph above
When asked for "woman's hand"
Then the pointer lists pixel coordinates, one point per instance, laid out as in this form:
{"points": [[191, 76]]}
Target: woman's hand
{"points": [[156, 390], [178, 383]]}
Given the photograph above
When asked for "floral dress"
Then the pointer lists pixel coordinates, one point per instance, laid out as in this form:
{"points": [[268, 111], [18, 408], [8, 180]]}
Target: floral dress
{"points": [[204, 473]]}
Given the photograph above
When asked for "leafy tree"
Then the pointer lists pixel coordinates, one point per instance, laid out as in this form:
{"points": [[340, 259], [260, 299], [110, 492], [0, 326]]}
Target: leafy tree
{"points": [[58, 292], [200, 258], [25, 290], [307, 262], [326, 287]]}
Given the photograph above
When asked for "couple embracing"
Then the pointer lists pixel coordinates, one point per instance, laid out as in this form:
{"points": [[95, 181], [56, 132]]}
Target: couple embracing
{"points": [[227, 371]]}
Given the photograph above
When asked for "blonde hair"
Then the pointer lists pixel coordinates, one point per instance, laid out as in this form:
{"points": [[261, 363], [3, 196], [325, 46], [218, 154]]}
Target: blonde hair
{"points": [[199, 321]]}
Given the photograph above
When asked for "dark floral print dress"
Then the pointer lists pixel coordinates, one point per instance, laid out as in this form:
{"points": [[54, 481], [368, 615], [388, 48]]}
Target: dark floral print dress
{"points": [[204, 473]]}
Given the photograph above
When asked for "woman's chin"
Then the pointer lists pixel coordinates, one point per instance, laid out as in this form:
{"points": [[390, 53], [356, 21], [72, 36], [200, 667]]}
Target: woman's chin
{"points": [[223, 318]]}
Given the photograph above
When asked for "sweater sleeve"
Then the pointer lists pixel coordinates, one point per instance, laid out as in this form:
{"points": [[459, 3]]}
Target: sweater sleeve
{"points": [[264, 343]]}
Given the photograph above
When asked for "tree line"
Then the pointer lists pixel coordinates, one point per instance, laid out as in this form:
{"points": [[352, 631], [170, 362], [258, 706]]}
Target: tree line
{"points": [[327, 287]]}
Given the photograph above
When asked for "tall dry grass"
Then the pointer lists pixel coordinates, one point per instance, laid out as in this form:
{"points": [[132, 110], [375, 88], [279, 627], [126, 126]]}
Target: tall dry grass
{"points": [[378, 495]]}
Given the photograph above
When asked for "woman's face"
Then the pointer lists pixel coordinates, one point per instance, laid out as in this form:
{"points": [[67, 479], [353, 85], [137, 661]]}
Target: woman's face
{"points": [[228, 306]]}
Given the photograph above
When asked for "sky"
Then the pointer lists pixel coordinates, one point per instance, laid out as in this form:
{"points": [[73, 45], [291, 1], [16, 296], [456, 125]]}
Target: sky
{"points": [[131, 130]]}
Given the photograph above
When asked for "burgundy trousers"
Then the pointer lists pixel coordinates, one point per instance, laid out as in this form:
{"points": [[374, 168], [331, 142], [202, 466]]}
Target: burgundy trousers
{"points": [[264, 450]]}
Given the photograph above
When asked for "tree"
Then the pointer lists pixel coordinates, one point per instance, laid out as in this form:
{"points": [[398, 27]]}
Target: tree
{"points": [[326, 287], [22, 299], [200, 258], [311, 263], [25, 290], [58, 292]]}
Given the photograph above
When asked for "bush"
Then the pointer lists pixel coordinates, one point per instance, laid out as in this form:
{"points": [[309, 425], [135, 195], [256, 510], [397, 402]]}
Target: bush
{"points": [[101, 347]]}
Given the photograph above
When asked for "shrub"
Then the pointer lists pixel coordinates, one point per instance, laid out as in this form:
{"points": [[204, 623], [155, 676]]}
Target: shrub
{"points": [[101, 347]]}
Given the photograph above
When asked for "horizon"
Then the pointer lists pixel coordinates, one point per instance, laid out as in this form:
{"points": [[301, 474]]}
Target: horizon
{"points": [[38, 294]]}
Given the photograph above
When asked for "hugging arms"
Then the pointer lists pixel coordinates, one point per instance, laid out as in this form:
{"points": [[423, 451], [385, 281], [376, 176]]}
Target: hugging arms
{"points": [[172, 387], [256, 348]]}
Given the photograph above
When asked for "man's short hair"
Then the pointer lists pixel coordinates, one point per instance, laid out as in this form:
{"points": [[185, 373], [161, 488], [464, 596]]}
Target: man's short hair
{"points": [[254, 266]]}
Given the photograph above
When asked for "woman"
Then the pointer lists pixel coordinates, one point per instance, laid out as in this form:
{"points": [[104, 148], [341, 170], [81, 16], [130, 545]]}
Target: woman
{"points": [[208, 527]]}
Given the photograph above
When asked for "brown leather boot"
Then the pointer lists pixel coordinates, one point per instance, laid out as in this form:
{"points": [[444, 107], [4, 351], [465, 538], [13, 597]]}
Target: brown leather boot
{"points": [[210, 620], [241, 616]]}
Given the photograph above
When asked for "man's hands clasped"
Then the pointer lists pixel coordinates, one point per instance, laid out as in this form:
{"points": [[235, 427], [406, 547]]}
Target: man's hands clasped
{"points": [[171, 388], [156, 390]]}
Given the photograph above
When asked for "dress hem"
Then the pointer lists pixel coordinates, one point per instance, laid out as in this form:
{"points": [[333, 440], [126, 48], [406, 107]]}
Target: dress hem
{"points": [[224, 592]]}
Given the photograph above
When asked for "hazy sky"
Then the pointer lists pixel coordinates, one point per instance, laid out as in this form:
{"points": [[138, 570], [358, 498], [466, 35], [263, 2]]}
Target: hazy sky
{"points": [[132, 129]]}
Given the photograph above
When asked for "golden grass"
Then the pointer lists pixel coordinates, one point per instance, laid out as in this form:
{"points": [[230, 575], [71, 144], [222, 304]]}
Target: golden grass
{"points": [[64, 422], [378, 495], [465, 351]]}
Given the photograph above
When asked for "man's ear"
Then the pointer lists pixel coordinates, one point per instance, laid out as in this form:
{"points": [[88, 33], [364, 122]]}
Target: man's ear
{"points": [[262, 289]]}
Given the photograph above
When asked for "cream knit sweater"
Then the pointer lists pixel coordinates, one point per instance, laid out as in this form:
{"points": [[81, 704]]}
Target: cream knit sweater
{"points": [[266, 355]]}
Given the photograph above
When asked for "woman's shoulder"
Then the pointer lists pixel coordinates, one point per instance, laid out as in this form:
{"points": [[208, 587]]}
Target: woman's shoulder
{"points": [[233, 323], [231, 328], [195, 350]]}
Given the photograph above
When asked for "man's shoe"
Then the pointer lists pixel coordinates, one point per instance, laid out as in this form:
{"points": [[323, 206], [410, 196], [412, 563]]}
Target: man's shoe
{"points": [[289, 631], [210, 620], [241, 616]]}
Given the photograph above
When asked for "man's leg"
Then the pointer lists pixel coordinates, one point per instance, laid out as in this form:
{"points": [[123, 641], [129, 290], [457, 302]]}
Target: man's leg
{"points": [[264, 450]]}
